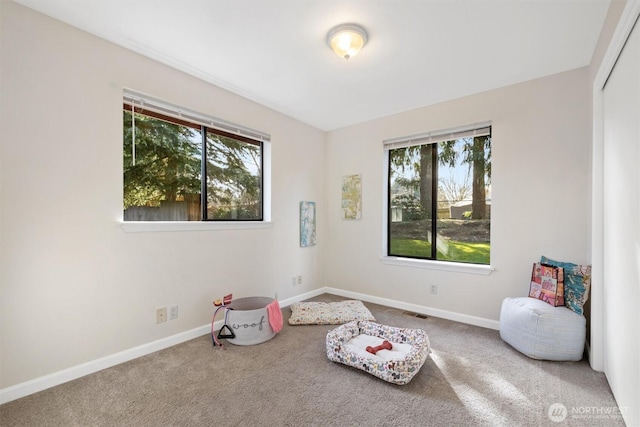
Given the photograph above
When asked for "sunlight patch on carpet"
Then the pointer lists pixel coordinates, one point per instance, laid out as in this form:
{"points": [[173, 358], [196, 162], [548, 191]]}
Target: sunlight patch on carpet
{"points": [[479, 388]]}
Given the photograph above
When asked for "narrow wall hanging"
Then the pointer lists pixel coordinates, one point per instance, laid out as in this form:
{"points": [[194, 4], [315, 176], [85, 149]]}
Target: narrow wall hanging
{"points": [[307, 224], [352, 197]]}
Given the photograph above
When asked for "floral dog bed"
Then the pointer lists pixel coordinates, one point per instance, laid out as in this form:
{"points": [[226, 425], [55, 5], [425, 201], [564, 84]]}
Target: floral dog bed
{"points": [[399, 365]]}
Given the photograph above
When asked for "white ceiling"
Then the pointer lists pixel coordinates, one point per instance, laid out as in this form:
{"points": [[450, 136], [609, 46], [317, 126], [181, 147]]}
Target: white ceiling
{"points": [[420, 52]]}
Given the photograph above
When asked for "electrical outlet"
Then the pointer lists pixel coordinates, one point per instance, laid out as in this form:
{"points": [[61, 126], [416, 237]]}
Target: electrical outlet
{"points": [[161, 315], [299, 280], [173, 312], [434, 289]]}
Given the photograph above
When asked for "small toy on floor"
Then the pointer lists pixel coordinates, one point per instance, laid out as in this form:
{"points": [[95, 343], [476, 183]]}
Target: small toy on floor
{"points": [[225, 331], [386, 345], [226, 300]]}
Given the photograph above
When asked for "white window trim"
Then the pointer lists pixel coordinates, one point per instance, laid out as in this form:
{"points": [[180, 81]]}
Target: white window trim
{"points": [[428, 264], [162, 226]]}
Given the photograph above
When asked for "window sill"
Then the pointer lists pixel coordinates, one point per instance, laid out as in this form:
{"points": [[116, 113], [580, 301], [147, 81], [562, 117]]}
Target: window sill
{"points": [[161, 226], [438, 265]]}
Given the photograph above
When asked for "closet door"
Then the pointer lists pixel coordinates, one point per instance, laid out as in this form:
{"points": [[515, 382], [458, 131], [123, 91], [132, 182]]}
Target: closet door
{"points": [[622, 228]]}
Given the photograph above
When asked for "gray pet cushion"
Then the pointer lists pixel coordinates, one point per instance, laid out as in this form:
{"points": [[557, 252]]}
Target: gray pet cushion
{"points": [[542, 331]]}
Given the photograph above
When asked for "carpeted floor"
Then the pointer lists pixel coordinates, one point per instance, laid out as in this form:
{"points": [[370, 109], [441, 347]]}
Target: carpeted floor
{"points": [[472, 378]]}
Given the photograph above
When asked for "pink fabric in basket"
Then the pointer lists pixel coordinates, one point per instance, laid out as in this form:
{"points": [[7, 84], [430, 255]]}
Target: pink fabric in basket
{"points": [[275, 316]]}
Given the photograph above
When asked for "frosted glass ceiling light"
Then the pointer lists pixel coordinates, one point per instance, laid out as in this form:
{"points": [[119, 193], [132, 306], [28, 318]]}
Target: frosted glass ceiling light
{"points": [[346, 40]]}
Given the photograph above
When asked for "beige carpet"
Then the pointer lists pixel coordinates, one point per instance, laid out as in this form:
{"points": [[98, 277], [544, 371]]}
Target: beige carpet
{"points": [[472, 379]]}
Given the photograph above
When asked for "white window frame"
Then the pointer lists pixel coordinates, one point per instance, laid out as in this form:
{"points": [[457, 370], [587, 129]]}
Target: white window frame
{"points": [[199, 118], [417, 139]]}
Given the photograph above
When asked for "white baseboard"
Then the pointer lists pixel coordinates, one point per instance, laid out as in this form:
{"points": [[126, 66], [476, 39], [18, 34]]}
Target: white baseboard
{"points": [[287, 302], [587, 348], [56, 378], [421, 309]]}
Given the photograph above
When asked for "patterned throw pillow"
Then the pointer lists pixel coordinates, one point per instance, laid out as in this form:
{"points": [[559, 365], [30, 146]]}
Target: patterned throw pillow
{"points": [[577, 281]]}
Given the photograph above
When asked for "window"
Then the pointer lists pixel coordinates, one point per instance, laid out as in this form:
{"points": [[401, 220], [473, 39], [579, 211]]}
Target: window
{"points": [[439, 184], [167, 151]]}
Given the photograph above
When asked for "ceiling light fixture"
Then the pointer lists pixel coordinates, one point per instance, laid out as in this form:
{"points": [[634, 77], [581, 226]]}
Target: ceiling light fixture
{"points": [[346, 40]]}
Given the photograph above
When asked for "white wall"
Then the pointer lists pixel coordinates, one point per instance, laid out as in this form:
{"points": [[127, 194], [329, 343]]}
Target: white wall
{"points": [[75, 287], [540, 194]]}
